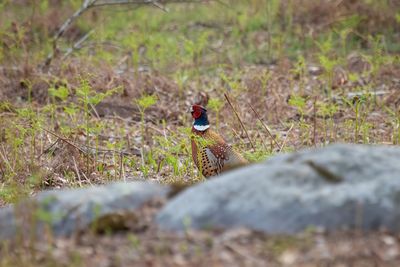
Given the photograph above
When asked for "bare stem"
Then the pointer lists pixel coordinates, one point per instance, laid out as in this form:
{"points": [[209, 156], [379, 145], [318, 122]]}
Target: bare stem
{"points": [[286, 138], [315, 121], [266, 127], [240, 121]]}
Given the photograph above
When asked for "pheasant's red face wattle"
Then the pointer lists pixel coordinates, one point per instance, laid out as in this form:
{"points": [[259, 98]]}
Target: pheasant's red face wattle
{"points": [[196, 111]]}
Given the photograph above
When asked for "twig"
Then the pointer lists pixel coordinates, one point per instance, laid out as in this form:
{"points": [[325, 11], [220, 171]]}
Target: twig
{"points": [[85, 6], [48, 149], [121, 167], [90, 147], [286, 137], [162, 132], [240, 121], [142, 155], [237, 135], [94, 110], [243, 254], [315, 121], [77, 171], [266, 127], [223, 4], [77, 45], [6, 161], [8, 68], [125, 153], [87, 179], [156, 4], [65, 140], [2, 171], [338, 3], [138, 2]]}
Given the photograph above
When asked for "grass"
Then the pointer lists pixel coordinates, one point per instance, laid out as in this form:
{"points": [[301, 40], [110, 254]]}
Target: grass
{"points": [[115, 108], [157, 62]]}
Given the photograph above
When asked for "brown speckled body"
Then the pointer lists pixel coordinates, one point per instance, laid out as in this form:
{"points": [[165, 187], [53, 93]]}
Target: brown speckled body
{"points": [[212, 155]]}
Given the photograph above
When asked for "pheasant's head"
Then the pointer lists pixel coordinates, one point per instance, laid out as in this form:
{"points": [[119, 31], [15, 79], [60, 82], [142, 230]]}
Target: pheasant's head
{"points": [[199, 115]]}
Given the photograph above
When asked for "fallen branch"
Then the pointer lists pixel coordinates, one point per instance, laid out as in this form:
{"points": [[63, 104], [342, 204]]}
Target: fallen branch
{"points": [[87, 4], [130, 2], [100, 3], [65, 140], [124, 153]]}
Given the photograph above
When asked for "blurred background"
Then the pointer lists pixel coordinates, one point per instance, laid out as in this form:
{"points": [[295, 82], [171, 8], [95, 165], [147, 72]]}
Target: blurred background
{"points": [[97, 91]]}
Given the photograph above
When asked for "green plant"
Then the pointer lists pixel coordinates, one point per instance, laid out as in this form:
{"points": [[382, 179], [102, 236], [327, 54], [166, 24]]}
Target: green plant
{"points": [[143, 103], [299, 103], [327, 110], [216, 104], [360, 107], [88, 98], [134, 240], [394, 120], [300, 71]]}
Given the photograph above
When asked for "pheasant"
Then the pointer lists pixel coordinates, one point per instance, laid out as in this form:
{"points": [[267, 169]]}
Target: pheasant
{"points": [[211, 154]]}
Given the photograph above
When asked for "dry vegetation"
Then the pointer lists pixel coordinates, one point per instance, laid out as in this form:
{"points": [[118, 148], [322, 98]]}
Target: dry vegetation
{"points": [[114, 107]]}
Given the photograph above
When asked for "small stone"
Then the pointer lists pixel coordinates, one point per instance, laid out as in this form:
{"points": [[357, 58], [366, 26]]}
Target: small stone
{"points": [[288, 257], [388, 240]]}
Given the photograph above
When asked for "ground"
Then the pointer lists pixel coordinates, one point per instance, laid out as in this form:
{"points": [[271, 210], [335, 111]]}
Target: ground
{"points": [[299, 74], [142, 244]]}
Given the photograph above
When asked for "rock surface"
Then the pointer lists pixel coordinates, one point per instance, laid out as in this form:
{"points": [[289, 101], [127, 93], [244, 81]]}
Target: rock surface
{"points": [[340, 186], [69, 211]]}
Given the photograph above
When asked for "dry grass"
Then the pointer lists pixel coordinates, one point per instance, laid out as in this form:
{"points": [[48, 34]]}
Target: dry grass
{"points": [[315, 72]]}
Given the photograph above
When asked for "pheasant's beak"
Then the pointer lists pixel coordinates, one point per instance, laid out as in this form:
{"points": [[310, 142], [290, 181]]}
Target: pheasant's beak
{"points": [[191, 110]]}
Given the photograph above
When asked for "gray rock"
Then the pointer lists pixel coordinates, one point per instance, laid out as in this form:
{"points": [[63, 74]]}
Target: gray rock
{"points": [[340, 186], [69, 211]]}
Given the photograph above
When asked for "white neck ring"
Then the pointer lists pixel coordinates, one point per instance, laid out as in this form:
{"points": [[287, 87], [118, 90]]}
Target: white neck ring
{"points": [[201, 127]]}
